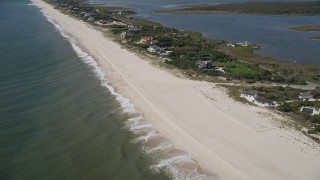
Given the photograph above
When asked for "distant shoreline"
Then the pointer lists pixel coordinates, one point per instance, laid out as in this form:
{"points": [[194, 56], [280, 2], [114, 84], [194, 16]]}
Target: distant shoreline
{"points": [[221, 12], [307, 29], [315, 37], [252, 8]]}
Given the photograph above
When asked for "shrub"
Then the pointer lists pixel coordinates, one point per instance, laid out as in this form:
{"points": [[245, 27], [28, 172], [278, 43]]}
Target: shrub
{"points": [[285, 108], [315, 119]]}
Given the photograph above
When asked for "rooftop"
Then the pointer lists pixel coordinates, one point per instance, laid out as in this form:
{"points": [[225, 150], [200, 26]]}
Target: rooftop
{"points": [[251, 93], [264, 100]]}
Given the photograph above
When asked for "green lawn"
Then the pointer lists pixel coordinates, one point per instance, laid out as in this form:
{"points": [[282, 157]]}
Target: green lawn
{"points": [[236, 69], [241, 70]]}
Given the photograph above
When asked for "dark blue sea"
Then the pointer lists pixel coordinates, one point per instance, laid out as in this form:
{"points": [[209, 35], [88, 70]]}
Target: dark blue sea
{"points": [[270, 32], [58, 117]]}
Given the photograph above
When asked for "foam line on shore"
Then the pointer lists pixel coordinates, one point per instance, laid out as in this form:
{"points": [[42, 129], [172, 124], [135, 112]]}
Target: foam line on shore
{"points": [[144, 130], [212, 132]]}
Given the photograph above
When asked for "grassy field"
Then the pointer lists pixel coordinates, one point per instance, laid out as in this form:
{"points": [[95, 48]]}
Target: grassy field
{"points": [[284, 69], [236, 69], [305, 28], [247, 54]]}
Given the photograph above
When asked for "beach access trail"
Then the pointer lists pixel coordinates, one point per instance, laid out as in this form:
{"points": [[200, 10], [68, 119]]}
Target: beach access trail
{"points": [[226, 138]]}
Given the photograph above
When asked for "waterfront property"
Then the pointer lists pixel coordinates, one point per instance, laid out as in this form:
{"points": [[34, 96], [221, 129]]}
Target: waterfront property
{"points": [[263, 102], [204, 65], [126, 34], [252, 96], [156, 49], [249, 95]]}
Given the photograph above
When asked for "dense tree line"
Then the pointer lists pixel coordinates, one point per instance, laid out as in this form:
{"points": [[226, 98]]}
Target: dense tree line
{"points": [[268, 8]]}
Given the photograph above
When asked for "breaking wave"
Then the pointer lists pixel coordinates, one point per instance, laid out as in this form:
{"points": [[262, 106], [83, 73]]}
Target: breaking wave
{"points": [[177, 163]]}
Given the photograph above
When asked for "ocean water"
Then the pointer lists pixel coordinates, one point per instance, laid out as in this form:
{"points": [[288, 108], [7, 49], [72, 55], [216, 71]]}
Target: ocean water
{"points": [[270, 32], [59, 119]]}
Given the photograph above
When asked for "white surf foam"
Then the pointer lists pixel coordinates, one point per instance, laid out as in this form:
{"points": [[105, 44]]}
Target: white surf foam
{"points": [[137, 124], [180, 166]]}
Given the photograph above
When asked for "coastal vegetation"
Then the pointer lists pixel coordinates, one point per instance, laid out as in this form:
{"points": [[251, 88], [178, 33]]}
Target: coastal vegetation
{"points": [[315, 37], [286, 72], [201, 58], [288, 102], [184, 49], [305, 28], [257, 8]]}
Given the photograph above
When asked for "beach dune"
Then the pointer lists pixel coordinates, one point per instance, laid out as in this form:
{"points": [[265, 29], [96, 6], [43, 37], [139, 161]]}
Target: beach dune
{"points": [[226, 138]]}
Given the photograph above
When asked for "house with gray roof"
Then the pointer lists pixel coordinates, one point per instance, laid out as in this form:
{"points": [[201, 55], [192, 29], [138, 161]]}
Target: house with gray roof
{"points": [[263, 102], [305, 95]]}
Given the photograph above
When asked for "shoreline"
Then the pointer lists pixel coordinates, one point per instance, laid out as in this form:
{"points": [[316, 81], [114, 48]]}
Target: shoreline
{"points": [[223, 12], [251, 8], [178, 111]]}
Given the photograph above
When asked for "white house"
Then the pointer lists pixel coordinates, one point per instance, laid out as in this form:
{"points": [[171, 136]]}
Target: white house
{"points": [[244, 44], [154, 48], [123, 35], [253, 96], [249, 95], [230, 45]]}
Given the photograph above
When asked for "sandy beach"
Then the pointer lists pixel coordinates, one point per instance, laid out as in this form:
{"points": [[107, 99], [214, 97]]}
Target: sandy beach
{"points": [[226, 138]]}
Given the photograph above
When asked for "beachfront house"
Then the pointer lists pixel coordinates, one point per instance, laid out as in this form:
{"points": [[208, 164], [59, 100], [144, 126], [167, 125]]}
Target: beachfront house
{"points": [[305, 96], [230, 45], [165, 53], [155, 49], [126, 35], [252, 96], [249, 95], [263, 102], [204, 65], [118, 23], [148, 40], [88, 15], [310, 110], [103, 21]]}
